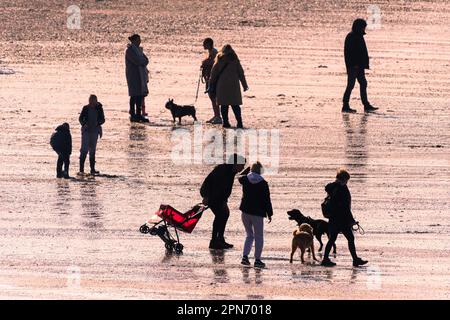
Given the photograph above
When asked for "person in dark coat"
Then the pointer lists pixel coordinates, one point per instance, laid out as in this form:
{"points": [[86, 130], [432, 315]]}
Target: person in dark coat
{"points": [[255, 206], [342, 219], [227, 75], [356, 61], [91, 119], [61, 142], [215, 190], [137, 77]]}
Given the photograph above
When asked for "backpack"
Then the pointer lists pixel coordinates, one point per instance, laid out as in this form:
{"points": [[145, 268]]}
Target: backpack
{"points": [[328, 206], [53, 141]]}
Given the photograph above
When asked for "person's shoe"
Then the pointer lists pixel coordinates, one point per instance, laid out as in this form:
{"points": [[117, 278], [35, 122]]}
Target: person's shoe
{"points": [[259, 264], [346, 108], [211, 120], [66, 175], [226, 125], [80, 173], [59, 175], [143, 119], [225, 244], [216, 120], [369, 108], [216, 245], [245, 261], [359, 262], [134, 118], [240, 125], [327, 263], [94, 172]]}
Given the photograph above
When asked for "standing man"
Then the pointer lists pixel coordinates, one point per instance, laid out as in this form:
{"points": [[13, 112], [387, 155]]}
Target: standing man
{"points": [[137, 77], [91, 119], [215, 190], [356, 61], [207, 64]]}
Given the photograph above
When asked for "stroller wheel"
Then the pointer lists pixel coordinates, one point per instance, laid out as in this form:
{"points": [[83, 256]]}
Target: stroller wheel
{"points": [[144, 229], [153, 231], [169, 246], [179, 248]]}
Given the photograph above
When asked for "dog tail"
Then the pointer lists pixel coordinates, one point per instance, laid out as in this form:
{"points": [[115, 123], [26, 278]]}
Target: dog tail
{"points": [[296, 232]]}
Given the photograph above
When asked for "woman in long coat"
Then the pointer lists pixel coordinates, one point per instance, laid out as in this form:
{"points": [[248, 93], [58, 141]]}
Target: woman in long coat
{"points": [[226, 76], [137, 77]]}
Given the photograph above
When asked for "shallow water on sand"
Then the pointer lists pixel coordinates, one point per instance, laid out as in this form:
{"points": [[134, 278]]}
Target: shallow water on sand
{"points": [[57, 234]]}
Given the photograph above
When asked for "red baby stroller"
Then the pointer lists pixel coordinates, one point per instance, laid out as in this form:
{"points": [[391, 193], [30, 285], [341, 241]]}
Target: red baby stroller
{"points": [[167, 217]]}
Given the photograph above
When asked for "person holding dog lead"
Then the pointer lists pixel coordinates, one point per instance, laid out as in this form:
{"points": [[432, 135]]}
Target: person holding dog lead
{"points": [[341, 219], [226, 76], [137, 77]]}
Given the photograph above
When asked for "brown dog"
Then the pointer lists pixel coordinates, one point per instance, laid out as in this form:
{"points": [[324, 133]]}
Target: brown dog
{"points": [[303, 239]]}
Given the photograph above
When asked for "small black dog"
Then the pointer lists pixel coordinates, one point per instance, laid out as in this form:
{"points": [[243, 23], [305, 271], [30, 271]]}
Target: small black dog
{"points": [[320, 227], [180, 111]]}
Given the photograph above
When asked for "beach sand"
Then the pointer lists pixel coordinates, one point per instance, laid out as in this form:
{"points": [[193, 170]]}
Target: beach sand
{"points": [[79, 239]]}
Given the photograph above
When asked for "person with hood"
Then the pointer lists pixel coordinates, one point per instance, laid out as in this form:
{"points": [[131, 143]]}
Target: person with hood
{"points": [[207, 64], [255, 206], [226, 75], [215, 190], [356, 61], [137, 77], [91, 119], [342, 219], [61, 142]]}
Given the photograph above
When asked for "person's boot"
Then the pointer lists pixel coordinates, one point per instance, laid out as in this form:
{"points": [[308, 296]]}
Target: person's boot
{"points": [[92, 164], [225, 244], [359, 262], [82, 160], [346, 108], [259, 264], [216, 245], [238, 115], [66, 173], [245, 261], [326, 262], [369, 108], [225, 121]]}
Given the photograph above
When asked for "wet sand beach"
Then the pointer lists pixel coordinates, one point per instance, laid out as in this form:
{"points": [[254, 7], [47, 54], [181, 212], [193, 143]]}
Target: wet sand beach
{"points": [[79, 238]]}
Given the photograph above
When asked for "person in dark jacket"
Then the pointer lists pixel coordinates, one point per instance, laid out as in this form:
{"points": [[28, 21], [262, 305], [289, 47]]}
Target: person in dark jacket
{"points": [[61, 142], [255, 206], [342, 219], [215, 190], [91, 119], [207, 64], [136, 71], [356, 61]]}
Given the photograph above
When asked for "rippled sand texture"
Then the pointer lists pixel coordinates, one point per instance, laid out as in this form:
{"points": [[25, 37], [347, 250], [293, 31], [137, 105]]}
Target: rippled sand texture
{"points": [[58, 234]]}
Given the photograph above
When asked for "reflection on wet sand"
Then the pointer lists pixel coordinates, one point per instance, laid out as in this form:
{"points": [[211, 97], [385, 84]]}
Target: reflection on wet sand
{"points": [[246, 275], [63, 196], [91, 205], [137, 150], [312, 274], [356, 153], [219, 267]]}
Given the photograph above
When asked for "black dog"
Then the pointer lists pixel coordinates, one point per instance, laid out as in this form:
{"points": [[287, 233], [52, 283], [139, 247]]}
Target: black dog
{"points": [[319, 226], [180, 111]]}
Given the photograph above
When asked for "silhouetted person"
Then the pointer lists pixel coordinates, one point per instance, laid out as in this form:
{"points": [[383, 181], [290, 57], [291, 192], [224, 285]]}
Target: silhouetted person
{"points": [[207, 64], [226, 76], [342, 218], [215, 190], [137, 77], [356, 61], [61, 142], [255, 206], [91, 119]]}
